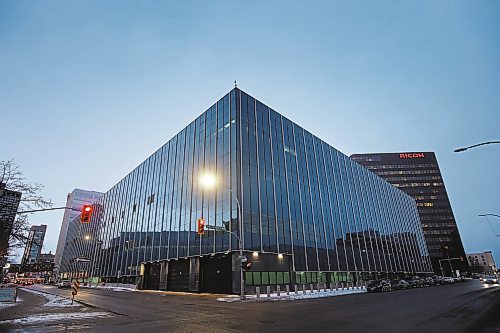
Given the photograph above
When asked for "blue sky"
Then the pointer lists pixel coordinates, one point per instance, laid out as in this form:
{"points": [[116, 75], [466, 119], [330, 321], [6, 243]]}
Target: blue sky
{"points": [[89, 89]]}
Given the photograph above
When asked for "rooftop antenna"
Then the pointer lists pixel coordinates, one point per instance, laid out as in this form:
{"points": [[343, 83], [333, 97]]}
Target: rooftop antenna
{"points": [[235, 85]]}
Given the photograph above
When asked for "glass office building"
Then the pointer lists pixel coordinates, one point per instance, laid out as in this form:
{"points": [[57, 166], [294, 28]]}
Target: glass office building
{"points": [[309, 213]]}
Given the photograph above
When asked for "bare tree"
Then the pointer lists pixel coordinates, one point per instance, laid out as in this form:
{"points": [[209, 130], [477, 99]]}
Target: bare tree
{"points": [[11, 178]]}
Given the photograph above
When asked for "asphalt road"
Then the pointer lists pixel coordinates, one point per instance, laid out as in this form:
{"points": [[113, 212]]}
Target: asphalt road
{"points": [[464, 307]]}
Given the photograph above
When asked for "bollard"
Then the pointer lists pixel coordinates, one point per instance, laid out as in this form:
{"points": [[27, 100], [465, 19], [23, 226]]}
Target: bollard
{"points": [[319, 287], [287, 289], [278, 290], [311, 287], [268, 291], [257, 292], [304, 288], [296, 289], [342, 285], [336, 286], [331, 286]]}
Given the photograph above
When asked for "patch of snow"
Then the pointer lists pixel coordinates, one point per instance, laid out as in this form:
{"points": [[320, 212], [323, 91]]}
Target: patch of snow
{"points": [[53, 300], [47, 317], [110, 288], [293, 296]]}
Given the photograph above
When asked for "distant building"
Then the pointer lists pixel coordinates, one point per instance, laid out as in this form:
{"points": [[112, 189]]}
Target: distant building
{"points": [[75, 200], [9, 203], [46, 257], [34, 244], [418, 175], [482, 262]]}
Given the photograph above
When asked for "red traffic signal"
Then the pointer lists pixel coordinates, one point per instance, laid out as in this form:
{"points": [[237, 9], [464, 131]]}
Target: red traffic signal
{"points": [[86, 214], [201, 226], [246, 265]]}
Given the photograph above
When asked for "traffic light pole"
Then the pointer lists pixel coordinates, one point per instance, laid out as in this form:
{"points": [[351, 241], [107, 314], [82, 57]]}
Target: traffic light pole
{"points": [[40, 210], [240, 242]]}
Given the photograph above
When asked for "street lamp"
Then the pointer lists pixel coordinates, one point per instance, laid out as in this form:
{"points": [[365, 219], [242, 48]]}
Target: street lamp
{"points": [[459, 150], [209, 181], [492, 229]]}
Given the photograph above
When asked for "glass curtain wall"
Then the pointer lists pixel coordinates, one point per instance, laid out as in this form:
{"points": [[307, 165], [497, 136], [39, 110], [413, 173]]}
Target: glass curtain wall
{"points": [[299, 196]]}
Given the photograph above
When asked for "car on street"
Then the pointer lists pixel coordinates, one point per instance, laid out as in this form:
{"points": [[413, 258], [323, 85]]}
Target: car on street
{"points": [[399, 285], [448, 280], [489, 279], [438, 280], [64, 284], [416, 282], [378, 286], [429, 281]]}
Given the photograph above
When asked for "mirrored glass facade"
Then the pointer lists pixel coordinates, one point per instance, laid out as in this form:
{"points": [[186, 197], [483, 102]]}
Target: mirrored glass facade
{"points": [[305, 206]]}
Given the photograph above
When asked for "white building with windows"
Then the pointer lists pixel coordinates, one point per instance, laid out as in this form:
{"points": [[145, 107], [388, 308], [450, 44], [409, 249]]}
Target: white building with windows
{"points": [[76, 200], [482, 262]]}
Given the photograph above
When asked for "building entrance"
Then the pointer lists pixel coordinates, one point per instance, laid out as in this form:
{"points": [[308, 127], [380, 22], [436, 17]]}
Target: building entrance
{"points": [[215, 274], [152, 276], [178, 275]]}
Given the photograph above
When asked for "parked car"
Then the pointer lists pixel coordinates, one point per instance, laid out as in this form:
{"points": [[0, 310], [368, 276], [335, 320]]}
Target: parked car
{"points": [[378, 286], [490, 279], [399, 285], [416, 282], [438, 280], [64, 284], [448, 280], [429, 281]]}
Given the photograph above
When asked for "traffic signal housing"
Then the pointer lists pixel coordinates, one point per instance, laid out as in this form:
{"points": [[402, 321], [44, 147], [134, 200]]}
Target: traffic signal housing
{"points": [[246, 265], [201, 226], [86, 214]]}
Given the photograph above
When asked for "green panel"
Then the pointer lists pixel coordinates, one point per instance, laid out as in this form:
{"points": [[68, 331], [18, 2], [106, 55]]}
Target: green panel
{"points": [[314, 277], [279, 278], [265, 277], [308, 277], [286, 277], [256, 278], [272, 277], [249, 278]]}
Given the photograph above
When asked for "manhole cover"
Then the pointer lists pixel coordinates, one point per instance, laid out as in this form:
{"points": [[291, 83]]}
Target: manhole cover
{"points": [[267, 322]]}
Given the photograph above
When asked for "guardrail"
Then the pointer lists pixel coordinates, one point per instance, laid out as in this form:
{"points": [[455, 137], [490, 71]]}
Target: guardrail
{"points": [[8, 294]]}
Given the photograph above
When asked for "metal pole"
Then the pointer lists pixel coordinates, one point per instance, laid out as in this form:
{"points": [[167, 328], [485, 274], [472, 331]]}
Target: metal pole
{"points": [[40, 210], [458, 150], [240, 242]]}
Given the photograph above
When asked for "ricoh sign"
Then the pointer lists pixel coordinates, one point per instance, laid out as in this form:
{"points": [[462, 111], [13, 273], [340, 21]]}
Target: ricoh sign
{"points": [[411, 155]]}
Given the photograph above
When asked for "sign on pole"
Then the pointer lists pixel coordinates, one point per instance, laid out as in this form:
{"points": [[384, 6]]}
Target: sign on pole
{"points": [[74, 289]]}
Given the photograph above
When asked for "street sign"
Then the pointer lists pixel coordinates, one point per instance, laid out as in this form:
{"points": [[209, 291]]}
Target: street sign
{"points": [[74, 287], [214, 227]]}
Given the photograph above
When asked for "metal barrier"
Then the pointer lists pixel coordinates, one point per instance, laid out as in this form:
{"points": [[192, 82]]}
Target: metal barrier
{"points": [[8, 294]]}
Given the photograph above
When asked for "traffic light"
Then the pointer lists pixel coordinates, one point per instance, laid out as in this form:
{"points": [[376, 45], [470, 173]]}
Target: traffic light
{"points": [[86, 214], [245, 264], [201, 226]]}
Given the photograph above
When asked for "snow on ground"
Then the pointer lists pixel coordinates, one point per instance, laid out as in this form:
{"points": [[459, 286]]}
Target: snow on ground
{"points": [[53, 300], [4, 305], [109, 288], [292, 296], [47, 317]]}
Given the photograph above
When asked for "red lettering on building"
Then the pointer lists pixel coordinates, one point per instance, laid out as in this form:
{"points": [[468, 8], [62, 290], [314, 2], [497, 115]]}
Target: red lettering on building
{"points": [[412, 155]]}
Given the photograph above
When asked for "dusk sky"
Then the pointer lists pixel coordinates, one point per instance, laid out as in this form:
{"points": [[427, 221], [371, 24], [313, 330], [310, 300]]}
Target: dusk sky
{"points": [[89, 89]]}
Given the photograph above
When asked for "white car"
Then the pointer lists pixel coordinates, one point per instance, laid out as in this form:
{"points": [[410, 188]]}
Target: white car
{"points": [[490, 279], [448, 279]]}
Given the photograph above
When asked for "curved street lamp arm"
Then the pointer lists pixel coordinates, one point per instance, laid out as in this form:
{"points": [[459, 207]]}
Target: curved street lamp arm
{"points": [[458, 150]]}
